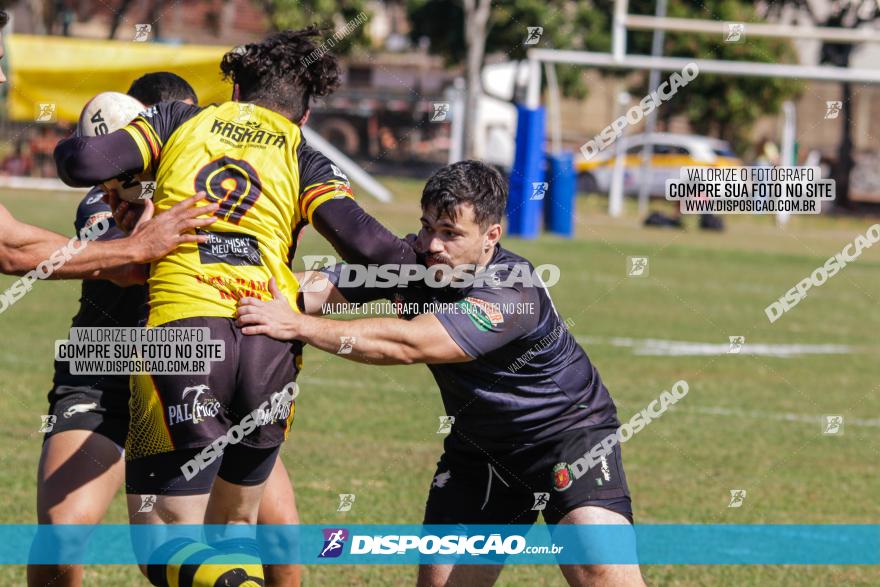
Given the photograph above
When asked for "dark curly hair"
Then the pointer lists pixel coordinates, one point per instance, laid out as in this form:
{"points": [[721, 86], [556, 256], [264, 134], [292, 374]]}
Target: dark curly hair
{"points": [[4, 18], [283, 72]]}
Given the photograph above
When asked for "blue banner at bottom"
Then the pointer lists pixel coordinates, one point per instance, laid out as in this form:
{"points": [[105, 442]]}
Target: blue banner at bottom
{"points": [[672, 544]]}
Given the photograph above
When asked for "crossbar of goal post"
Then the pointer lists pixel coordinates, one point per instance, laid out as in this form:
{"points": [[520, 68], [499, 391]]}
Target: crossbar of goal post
{"points": [[618, 59]]}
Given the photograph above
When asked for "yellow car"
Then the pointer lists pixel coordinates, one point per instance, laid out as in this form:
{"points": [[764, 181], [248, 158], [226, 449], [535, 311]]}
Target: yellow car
{"points": [[671, 153]]}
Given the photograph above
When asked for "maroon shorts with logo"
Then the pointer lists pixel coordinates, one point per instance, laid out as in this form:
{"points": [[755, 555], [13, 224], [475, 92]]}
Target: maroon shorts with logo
{"points": [[253, 385], [472, 486]]}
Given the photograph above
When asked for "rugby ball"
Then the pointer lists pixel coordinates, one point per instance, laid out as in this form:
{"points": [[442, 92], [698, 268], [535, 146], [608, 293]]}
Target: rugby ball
{"points": [[105, 113]]}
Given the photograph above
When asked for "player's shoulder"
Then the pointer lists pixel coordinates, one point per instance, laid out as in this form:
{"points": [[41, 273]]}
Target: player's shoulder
{"points": [[508, 273], [91, 209], [168, 108], [509, 259], [167, 116], [93, 200], [308, 154], [509, 282], [316, 166]]}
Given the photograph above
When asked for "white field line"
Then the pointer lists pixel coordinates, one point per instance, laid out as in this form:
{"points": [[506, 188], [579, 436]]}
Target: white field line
{"points": [[782, 416], [657, 347], [38, 183]]}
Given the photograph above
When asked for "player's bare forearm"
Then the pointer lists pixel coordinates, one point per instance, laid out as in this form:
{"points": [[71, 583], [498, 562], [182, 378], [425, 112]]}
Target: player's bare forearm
{"points": [[316, 291], [68, 258], [124, 275], [24, 247], [97, 260], [376, 341]]}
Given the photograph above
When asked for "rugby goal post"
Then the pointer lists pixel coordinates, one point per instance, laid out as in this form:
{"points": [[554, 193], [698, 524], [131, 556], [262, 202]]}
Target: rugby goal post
{"points": [[524, 173]]}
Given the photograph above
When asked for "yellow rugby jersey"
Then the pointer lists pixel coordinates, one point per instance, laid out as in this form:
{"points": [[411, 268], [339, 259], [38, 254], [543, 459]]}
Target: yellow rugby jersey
{"points": [[268, 181]]}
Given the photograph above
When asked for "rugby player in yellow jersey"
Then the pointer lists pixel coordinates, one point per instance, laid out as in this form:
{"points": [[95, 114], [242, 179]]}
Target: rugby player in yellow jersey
{"points": [[81, 466], [250, 157]]}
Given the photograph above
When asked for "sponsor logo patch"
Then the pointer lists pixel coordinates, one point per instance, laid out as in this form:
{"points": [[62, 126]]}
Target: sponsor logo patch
{"points": [[562, 478], [280, 406], [441, 479], [231, 248], [79, 409], [248, 133], [202, 406], [485, 315]]}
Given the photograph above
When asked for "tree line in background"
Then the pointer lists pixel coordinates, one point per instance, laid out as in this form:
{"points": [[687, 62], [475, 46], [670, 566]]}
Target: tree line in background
{"points": [[464, 32], [722, 106]]}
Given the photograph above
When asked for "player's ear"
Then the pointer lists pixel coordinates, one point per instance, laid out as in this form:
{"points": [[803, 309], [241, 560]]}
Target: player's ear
{"points": [[493, 235], [305, 117]]}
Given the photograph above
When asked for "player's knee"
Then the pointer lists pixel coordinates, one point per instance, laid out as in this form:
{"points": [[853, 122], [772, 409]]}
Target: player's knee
{"points": [[278, 513], [62, 543], [70, 511], [282, 575], [597, 572], [600, 575], [278, 505], [592, 574], [236, 518], [430, 576]]}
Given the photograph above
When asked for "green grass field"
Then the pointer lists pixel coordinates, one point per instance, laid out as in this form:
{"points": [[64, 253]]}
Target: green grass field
{"points": [[749, 422]]}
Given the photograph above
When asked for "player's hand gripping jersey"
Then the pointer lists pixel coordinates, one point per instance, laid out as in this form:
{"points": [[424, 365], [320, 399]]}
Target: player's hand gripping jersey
{"points": [[269, 182]]}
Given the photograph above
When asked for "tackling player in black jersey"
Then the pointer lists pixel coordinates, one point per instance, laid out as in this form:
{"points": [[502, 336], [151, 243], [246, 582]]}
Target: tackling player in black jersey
{"points": [[528, 403]]}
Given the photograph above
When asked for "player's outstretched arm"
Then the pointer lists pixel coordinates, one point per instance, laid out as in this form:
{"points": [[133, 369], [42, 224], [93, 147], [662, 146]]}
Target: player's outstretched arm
{"points": [[23, 247], [152, 238], [358, 237], [316, 291], [88, 161], [377, 341], [327, 202]]}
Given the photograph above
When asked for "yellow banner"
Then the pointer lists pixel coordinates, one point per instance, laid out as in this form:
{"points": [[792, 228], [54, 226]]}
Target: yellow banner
{"points": [[69, 72]]}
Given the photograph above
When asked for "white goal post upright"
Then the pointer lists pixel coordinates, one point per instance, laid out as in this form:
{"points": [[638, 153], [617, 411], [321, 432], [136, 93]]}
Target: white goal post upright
{"points": [[619, 59]]}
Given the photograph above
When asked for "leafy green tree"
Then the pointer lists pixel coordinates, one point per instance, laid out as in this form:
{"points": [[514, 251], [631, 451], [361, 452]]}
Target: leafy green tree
{"points": [[297, 14], [463, 32], [722, 105], [841, 14]]}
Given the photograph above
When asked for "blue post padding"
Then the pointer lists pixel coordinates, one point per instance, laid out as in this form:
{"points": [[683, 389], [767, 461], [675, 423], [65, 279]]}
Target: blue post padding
{"points": [[524, 211], [559, 205]]}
